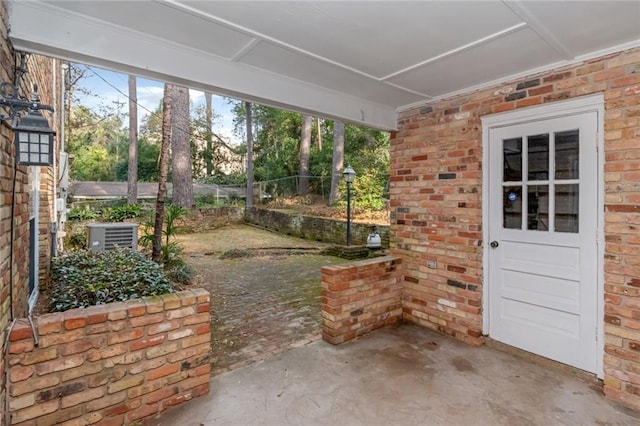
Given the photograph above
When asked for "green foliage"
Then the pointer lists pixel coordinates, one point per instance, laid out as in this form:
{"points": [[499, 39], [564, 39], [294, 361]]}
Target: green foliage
{"points": [[120, 213], [277, 143], [148, 154], [181, 274], [75, 241], [92, 163], [211, 201], [172, 213], [83, 214], [233, 179], [84, 279], [97, 141], [174, 265]]}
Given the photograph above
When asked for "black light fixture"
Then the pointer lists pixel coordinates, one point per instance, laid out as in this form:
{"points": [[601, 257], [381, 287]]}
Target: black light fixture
{"points": [[34, 140], [349, 176], [33, 136]]}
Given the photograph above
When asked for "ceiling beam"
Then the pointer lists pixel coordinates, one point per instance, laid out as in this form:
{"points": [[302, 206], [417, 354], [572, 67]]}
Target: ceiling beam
{"points": [[45, 29]]}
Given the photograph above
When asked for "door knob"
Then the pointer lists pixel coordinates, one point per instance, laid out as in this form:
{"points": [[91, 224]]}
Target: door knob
{"points": [[494, 244]]}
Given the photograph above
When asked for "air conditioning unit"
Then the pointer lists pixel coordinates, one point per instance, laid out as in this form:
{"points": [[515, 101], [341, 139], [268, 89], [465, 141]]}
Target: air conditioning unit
{"points": [[108, 236]]}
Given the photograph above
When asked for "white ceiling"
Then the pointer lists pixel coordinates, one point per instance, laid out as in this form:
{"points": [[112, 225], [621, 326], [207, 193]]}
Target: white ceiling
{"points": [[356, 61]]}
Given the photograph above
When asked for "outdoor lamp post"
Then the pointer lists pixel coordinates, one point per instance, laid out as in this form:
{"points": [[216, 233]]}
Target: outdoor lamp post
{"points": [[349, 175]]}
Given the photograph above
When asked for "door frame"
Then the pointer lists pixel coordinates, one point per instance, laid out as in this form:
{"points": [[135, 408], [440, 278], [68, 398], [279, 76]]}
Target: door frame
{"points": [[591, 103]]}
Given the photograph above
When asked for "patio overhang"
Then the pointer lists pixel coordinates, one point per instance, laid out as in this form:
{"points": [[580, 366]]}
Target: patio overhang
{"points": [[358, 62]]}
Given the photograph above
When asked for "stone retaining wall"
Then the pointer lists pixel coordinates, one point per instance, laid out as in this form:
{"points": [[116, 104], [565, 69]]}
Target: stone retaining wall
{"points": [[112, 364], [198, 220], [314, 228], [360, 297]]}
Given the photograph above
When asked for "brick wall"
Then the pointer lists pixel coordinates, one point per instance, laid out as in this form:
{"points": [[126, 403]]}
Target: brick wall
{"points": [[360, 297], [314, 228], [14, 278], [112, 364], [436, 186]]}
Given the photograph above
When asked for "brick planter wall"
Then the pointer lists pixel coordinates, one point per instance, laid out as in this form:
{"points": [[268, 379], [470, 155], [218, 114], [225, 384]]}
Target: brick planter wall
{"points": [[360, 297], [112, 364], [314, 228]]}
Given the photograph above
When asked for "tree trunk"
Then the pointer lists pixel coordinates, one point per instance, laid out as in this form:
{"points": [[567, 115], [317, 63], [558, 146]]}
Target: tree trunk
{"points": [[156, 252], [249, 125], [181, 148], [209, 130], [305, 148], [338, 159], [319, 134], [132, 170]]}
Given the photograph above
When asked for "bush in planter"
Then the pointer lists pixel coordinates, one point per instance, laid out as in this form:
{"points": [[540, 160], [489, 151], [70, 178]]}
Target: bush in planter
{"points": [[84, 279]]}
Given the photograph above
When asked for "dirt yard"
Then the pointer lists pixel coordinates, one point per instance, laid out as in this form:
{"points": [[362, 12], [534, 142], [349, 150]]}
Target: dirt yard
{"points": [[265, 291]]}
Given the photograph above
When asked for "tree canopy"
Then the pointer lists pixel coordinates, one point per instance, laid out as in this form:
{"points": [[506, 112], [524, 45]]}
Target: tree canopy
{"points": [[98, 142]]}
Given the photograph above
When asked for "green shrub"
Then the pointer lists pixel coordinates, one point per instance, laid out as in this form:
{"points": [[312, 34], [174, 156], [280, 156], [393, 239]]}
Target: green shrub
{"points": [[120, 213], [82, 214], [75, 240], [180, 273], [84, 279]]}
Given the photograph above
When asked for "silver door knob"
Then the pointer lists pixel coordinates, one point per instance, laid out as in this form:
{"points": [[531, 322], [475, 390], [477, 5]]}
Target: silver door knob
{"points": [[494, 244]]}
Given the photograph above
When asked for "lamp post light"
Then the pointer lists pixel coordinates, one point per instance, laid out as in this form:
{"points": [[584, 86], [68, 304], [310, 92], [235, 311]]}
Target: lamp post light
{"points": [[349, 176]]}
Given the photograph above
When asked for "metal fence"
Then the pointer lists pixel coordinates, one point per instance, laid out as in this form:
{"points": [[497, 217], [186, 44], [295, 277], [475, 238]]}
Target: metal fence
{"points": [[289, 186]]}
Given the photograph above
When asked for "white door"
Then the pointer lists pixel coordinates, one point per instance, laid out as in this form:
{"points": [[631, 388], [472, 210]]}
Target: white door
{"points": [[542, 230]]}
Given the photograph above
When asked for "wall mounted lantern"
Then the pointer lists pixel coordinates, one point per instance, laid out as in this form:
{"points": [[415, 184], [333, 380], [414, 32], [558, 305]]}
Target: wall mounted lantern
{"points": [[34, 140], [33, 136], [349, 176]]}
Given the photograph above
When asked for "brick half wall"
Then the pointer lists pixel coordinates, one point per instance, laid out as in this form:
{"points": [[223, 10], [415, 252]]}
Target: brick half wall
{"points": [[360, 297], [110, 364]]}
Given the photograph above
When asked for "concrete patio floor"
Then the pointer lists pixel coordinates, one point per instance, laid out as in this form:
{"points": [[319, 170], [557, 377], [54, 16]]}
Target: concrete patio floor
{"points": [[401, 375]]}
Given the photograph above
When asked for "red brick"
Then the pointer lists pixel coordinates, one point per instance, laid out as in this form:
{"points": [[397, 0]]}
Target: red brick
{"points": [[203, 328], [146, 343], [204, 307], [74, 322], [136, 310], [145, 410], [162, 371], [60, 364], [50, 323], [21, 330], [124, 336], [18, 374], [161, 394], [81, 345], [147, 319], [21, 346]]}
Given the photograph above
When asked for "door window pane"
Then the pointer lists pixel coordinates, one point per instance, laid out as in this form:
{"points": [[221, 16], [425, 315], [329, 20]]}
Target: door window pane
{"points": [[512, 154], [538, 157], [567, 155], [512, 207], [567, 205], [538, 208]]}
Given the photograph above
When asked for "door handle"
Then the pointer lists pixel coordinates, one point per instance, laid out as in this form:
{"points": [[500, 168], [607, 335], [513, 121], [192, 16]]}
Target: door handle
{"points": [[494, 244]]}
